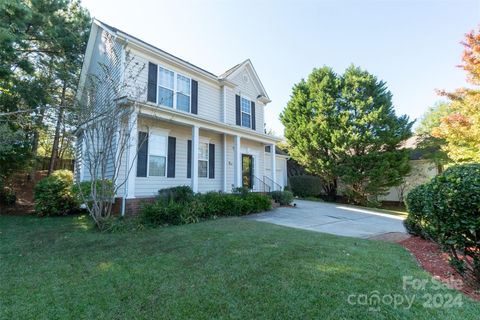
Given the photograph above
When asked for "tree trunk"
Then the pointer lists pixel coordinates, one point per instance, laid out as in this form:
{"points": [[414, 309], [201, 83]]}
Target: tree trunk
{"points": [[331, 191], [56, 138]]}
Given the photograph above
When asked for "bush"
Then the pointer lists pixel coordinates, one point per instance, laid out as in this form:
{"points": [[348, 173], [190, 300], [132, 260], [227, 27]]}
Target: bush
{"points": [[448, 210], [282, 197], [306, 186], [454, 204], [243, 191], [159, 213], [203, 206], [83, 191], [417, 222], [255, 202], [54, 196], [7, 196], [176, 194]]}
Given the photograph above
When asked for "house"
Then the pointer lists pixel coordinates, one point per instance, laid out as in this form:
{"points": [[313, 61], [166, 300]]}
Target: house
{"points": [[422, 170], [200, 129]]}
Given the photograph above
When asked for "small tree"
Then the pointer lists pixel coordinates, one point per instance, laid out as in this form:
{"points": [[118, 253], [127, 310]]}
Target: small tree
{"points": [[344, 127], [106, 128]]}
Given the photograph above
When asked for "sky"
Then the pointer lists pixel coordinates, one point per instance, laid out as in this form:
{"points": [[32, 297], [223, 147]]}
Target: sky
{"points": [[412, 45]]}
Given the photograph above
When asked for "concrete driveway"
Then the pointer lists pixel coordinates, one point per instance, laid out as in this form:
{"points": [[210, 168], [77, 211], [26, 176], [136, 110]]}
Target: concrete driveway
{"points": [[333, 218]]}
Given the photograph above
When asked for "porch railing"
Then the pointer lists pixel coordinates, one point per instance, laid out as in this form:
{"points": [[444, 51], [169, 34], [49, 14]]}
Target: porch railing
{"points": [[272, 184], [259, 185]]}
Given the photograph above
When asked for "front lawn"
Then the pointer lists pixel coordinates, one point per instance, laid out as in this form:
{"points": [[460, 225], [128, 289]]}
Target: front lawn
{"points": [[59, 268]]}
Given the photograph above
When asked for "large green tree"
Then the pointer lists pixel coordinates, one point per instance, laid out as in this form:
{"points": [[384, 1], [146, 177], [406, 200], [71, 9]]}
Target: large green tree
{"points": [[344, 127], [41, 48]]}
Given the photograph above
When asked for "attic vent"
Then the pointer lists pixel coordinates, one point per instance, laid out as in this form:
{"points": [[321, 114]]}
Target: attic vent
{"points": [[245, 78]]}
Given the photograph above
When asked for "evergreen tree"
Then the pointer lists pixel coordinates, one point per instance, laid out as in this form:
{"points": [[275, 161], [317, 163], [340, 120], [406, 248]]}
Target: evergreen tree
{"points": [[344, 127]]}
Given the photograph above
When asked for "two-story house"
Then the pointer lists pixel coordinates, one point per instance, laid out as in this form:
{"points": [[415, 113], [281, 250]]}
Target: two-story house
{"points": [[200, 129]]}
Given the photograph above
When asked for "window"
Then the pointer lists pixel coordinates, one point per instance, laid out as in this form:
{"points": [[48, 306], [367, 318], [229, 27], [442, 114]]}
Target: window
{"points": [[173, 90], [165, 87], [183, 93], [203, 160], [246, 111], [157, 159]]}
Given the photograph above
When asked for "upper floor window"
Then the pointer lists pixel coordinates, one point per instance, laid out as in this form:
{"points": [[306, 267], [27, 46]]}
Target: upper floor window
{"points": [[203, 160], [165, 87], [173, 90], [183, 93], [246, 113]]}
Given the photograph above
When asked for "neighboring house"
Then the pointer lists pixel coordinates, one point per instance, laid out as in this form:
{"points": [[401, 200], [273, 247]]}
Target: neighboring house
{"points": [[201, 130], [422, 170]]}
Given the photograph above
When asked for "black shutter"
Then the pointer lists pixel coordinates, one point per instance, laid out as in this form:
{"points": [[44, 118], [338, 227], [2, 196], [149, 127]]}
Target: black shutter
{"points": [[194, 94], [211, 161], [189, 159], [172, 144], [237, 109], [152, 82], [252, 104], [142, 157]]}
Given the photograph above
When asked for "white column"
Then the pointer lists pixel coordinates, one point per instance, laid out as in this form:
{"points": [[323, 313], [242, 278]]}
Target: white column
{"points": [[195, 133], [273, 165], [238, 163], [225, 164], [131, 170]]}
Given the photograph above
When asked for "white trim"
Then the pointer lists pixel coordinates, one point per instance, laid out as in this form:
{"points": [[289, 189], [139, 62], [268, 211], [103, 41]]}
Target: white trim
{"points": [[224, 102], [225, 163], [260, 88], [195, 138], [159, 133], [131, 155], [273, 166], [174, 89], [167, 114], [242, 98], [238, 162]]}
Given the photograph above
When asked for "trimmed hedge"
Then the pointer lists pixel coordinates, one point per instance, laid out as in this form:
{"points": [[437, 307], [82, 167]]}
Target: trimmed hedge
{"points": [[180, 206], [54, 195], [306, 186], [447, 210], [282, 197]]}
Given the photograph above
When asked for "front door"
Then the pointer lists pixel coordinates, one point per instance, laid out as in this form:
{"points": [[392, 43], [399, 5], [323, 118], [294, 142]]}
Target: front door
{"points": [[247, 171]]}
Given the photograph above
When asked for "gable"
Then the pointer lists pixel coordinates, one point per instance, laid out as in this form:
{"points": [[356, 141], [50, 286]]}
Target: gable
{"points": [[247, 81]]}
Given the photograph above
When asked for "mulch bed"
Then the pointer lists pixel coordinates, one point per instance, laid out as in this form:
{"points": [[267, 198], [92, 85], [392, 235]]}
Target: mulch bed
{"points": [[434, 260]]}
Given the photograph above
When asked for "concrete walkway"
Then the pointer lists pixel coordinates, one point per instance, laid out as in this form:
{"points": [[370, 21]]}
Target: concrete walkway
{"points": [[333, 218]]}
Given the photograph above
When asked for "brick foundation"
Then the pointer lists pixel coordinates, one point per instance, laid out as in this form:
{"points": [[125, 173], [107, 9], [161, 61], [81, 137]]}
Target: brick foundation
{"points": [[132, 206]]}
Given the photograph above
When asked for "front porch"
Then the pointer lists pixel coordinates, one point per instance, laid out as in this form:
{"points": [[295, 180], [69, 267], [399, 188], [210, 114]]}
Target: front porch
{"points": [[206, 157]]}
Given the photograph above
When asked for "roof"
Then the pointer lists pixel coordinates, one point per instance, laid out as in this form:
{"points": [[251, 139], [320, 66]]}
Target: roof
{"points": [[231, 70], [116, 30], [278, 151]]}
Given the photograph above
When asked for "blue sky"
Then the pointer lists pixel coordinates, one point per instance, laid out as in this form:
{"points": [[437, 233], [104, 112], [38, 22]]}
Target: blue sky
{"points": [[412, 45]]}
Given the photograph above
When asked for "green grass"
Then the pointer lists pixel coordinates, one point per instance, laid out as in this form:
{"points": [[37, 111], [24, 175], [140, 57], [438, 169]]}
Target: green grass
{"points": [[60, 268]]}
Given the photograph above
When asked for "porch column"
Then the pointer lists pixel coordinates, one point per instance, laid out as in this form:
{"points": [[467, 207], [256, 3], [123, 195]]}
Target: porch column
{"points": [[225, 164], [131, 169], [195, 135], [273, 166], [238, 163]]}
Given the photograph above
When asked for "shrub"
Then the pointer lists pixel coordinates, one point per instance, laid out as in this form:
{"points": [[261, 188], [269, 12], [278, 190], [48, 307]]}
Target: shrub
{"points": [[243, 191], [282, 197], [417, 222], [54, 196], [7, 196], [159, 213], [204, 206], [176, 194], [255, 202], [83, 191], [306, 186], [453, 209]]}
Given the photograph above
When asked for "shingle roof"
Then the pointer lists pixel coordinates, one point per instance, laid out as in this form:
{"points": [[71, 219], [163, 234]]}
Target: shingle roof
{"points": [[156, 48]]}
